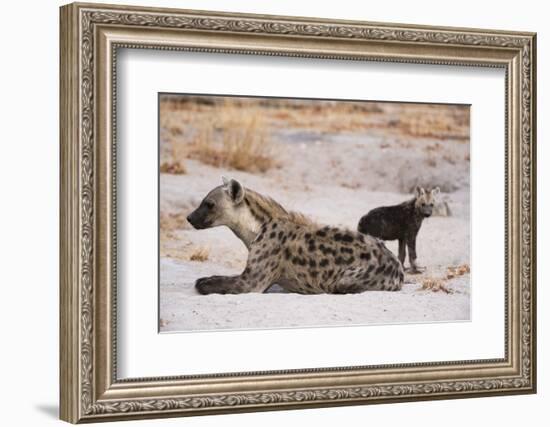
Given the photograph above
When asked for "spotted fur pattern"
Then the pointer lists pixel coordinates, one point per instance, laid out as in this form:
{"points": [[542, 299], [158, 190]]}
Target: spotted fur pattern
{"points": [[302, 256]]}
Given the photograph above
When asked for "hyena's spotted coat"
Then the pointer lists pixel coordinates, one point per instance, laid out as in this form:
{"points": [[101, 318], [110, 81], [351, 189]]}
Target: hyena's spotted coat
{"points": [[287, 249]]}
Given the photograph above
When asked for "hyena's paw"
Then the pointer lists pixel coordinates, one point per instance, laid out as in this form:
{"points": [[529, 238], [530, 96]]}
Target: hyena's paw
{"points": [[209, 285], [416, 270]]}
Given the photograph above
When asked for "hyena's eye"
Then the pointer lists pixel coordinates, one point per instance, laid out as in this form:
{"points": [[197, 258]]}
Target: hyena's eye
{"points": [[209, 204]]}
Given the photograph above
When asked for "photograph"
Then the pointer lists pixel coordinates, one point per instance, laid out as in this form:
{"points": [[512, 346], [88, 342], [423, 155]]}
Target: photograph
{"points": [[267, 211], [289, 213]]}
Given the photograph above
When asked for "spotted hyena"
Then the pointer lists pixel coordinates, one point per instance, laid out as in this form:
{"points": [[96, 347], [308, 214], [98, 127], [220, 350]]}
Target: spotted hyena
{"points": [[288, 249], [401, 222]]}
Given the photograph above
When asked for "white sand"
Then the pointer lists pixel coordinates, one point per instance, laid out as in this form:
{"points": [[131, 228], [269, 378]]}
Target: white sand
{"points": [[335, 179]]}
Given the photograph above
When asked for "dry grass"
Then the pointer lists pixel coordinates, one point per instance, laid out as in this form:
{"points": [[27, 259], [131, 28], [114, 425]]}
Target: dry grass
{"points": [[431, 121], [435, 122], [220, 132], [173, 167], [238, 133], [175, 164], [323, 116], [435, 285], [457, 271], [199, 254], [173, 221], [236, 139]]}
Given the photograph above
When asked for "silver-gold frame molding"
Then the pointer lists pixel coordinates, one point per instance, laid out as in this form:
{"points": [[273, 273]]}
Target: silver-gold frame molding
{"points": [[90, 37]]}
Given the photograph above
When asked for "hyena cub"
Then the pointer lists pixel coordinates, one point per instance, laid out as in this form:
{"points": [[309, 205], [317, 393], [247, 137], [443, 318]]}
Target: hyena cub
{"points": [[401, 222], [288, 249]]}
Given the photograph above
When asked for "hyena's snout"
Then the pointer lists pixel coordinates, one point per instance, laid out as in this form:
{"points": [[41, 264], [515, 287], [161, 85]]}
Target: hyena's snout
{"points": [[427, 210], [197, 220]]}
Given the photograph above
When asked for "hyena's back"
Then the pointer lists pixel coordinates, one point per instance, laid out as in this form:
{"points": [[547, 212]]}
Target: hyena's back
{"points": [[325, 259]]}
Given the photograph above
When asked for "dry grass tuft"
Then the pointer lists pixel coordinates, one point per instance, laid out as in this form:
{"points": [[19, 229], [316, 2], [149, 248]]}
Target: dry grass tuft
{"points": [[237, 139], [457, 271], [435, 285], [199, 254], [175, 165]]}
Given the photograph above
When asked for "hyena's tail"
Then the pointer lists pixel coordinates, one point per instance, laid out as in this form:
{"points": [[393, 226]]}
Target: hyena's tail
{"points": [[392, 275]]}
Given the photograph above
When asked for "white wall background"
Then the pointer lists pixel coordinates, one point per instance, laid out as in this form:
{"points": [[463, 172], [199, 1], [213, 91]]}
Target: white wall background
{"points": [[29, 170]]}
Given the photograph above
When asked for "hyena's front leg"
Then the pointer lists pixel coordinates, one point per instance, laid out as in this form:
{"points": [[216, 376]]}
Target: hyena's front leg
{"points": [[411, 246], [220, 285], [248, 281], [256, 277]]}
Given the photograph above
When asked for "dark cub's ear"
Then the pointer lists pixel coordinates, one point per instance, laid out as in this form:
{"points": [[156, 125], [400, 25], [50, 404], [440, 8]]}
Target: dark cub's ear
{"points": [[419, 191], [235, 190]]}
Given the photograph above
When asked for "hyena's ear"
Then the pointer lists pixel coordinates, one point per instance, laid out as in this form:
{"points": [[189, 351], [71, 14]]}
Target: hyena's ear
{"points": [[435, 191], [419, 191], [235, 190], [225, 180]]}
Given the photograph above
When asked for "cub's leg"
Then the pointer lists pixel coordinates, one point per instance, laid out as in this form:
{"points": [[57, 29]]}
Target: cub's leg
{"points": [[411, 245], [262, 270], [402, 251]]}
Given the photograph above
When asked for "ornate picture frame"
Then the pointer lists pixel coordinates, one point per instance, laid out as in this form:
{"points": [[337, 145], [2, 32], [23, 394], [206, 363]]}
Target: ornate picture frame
{"points": [[90, 37]]}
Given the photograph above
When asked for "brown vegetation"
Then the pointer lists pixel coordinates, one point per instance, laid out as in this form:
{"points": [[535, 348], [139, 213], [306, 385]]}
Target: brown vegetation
{"points": [[199, 254], [234, 139], [174, 165], [237, 132], [432, 121], [220, 134], [456, 271], [435, 284]]}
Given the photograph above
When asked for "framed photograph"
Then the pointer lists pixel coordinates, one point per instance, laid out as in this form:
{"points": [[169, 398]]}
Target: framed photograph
{"points": [[304, 172], [266, 212]]}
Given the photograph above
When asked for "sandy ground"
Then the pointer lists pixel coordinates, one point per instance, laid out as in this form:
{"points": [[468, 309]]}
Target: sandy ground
{"points": [[334, 178]]}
